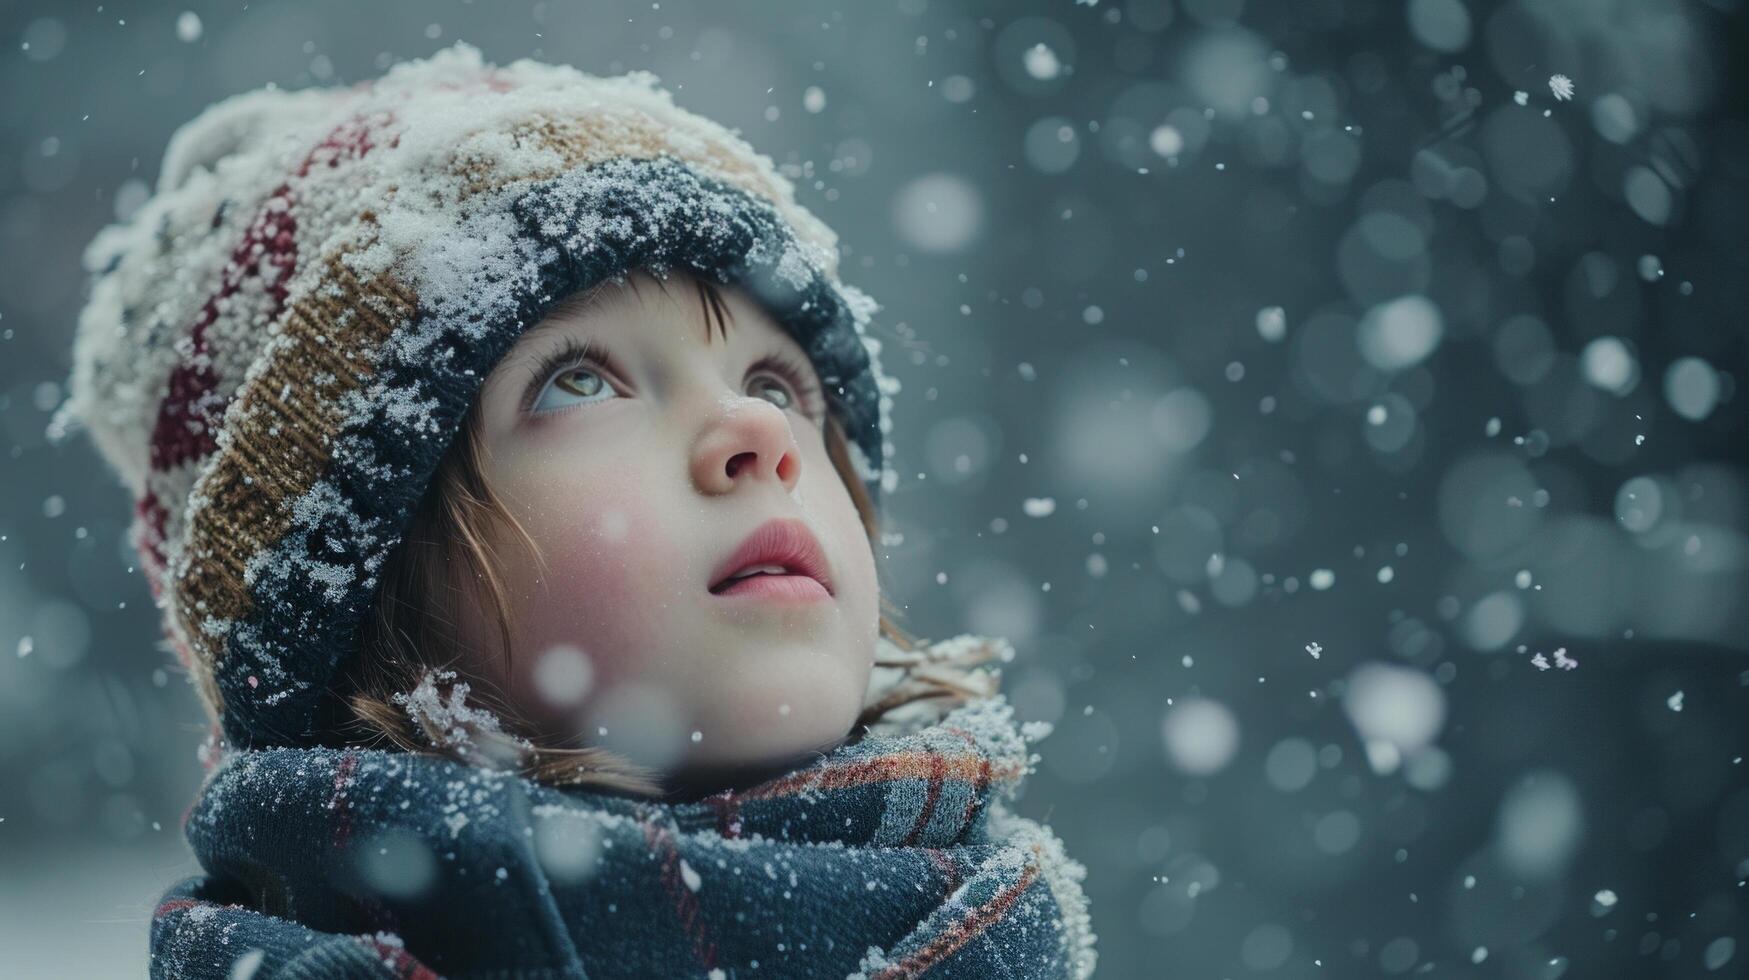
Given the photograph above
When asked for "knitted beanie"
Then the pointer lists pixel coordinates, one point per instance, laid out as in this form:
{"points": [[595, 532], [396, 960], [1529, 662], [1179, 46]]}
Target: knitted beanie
{"points": [[281, 344]]}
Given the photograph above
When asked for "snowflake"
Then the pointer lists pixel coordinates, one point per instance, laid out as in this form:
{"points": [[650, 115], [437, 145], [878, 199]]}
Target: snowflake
{"points": [[1674, 701], [1521, 97], [1541, 662], [1562, 86], [1563, 661], [1314, 649], [244, 967]]}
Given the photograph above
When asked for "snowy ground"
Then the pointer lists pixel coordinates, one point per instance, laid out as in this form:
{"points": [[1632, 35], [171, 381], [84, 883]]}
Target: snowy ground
{"points": [[83, 912]]}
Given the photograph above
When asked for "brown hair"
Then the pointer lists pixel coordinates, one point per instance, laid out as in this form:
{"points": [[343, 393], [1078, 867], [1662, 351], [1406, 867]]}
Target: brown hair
{"points": [[410, 634]]}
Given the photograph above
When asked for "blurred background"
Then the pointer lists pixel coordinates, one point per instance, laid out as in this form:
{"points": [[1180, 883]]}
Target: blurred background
{"points": [[1337, 403]]}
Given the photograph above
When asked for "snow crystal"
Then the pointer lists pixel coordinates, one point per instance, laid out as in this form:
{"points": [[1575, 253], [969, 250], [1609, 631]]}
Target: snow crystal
{"points": [[1201, 735], [1540, 824], [563, 675], [1719, 952], [1561, 86], [1609, 364], [1041, 62], [1674, 701], [455, 822], [1399, 706], [324, 527], [1166, 140], [397, 863], [1693, 388], [1272, 324], [1038, 506], [451, 723], [188, 31]]}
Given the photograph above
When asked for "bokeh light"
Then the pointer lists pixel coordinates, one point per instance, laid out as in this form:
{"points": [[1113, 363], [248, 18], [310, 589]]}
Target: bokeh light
{"points": [[1344, 426]]}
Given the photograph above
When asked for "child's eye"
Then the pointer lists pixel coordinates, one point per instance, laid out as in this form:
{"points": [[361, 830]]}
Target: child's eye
{"points": [[581, 381], [772, 386], [570, 370], [795, 385], [580, 369]]}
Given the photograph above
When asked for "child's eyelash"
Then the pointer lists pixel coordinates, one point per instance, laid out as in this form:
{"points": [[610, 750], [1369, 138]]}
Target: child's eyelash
{"points": [[800, 378], [571, 353], [574, 353]]}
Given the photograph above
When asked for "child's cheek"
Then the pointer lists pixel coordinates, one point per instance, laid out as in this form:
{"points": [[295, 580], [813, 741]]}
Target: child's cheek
{"points": [[612, 574]]}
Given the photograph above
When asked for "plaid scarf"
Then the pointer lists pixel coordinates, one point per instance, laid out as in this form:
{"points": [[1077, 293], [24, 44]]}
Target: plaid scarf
{"points": [[885, 858]]}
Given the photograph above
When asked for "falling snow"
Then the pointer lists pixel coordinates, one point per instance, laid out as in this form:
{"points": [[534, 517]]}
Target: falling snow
{"points": [[1462, 419], [1038, 506]]}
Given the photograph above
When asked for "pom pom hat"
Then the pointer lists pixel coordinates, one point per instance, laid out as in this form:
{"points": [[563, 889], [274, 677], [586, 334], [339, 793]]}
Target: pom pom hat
{"points": [[281, 344]]}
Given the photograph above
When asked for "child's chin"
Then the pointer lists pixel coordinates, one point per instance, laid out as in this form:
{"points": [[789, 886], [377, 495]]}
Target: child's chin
{"points": [[793, 713]]}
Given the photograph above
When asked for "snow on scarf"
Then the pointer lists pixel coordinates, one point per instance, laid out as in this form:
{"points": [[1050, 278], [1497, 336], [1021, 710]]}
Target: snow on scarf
{"points": [[890, 856]]}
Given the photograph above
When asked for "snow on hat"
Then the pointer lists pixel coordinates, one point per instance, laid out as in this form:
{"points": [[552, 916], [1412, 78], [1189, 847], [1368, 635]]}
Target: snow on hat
{"points": [[280, 345]]}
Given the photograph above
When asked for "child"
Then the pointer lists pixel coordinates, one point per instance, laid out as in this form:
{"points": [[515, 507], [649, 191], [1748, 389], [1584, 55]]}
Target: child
{"points": [[507, 455]]}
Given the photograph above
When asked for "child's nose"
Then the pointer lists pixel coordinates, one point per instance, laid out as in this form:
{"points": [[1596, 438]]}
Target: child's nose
{"points": [[750, 441]]}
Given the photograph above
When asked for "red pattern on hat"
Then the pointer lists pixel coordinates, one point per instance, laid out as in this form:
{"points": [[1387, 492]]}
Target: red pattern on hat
{"points": [[189, 416]]}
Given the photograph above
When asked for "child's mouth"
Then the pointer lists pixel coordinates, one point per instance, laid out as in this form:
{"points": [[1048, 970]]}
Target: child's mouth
{"points": [[775, 584], [781, 559]]}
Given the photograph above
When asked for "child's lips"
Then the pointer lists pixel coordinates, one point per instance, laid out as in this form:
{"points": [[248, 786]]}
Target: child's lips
{"points": [[794, 588], [784, 545]]}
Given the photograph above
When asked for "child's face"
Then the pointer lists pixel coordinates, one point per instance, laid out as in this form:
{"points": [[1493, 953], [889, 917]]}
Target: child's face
{"points": [[638, 478]]}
